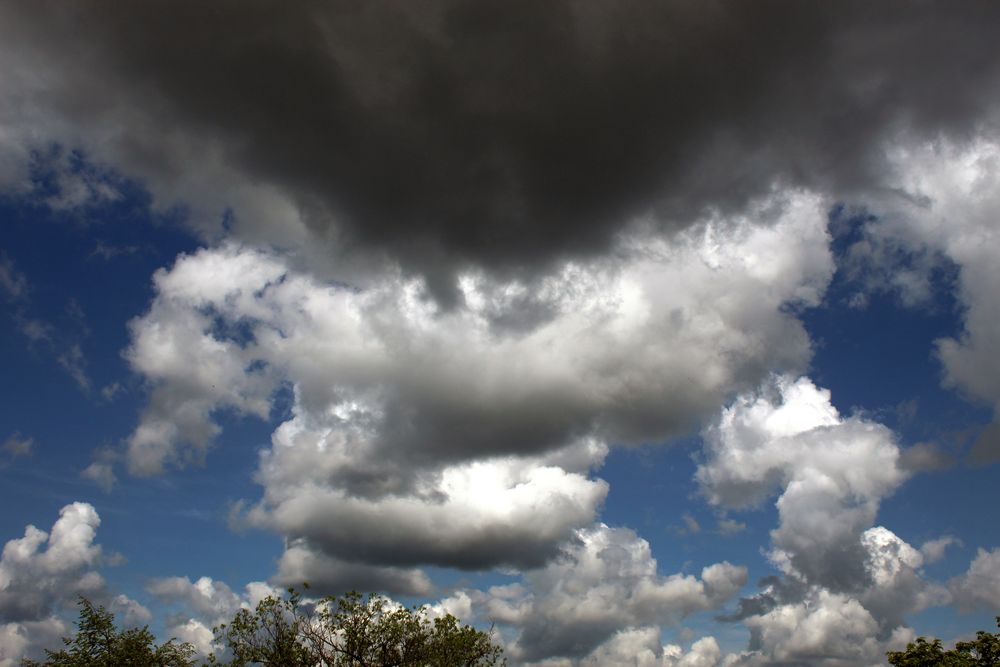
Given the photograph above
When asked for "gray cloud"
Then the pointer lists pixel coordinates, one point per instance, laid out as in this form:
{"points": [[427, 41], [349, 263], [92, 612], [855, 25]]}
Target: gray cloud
{"points": [[300, 564], [924, 457], [604, 584], [26, 639], [979, 586], [986, 448], [505, 135]]}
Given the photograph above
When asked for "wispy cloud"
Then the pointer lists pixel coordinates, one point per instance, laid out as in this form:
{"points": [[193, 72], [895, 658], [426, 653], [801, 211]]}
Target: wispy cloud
{"points": [[13, 284], [61, 343]]}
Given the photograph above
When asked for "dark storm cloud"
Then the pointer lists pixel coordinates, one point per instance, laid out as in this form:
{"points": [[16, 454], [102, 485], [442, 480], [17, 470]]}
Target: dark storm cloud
{"points": [[508, 134]]}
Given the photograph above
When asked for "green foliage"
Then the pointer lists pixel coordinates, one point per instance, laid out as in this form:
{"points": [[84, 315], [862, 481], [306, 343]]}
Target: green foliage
{"points": [[352, 631], [983, 651], [270, 635], [98, 643]]}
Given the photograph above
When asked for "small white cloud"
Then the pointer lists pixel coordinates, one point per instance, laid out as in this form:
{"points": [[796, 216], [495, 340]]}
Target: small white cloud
{"points": [[728, 526], [110, 391], [102, 470], [691, 524], [933, 550], [102, 474]]}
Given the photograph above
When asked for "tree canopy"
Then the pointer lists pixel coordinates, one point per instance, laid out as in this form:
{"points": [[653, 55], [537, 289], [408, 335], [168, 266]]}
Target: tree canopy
{"points": [[349, 631], [983, 651], [99, 643], [352, 631]]}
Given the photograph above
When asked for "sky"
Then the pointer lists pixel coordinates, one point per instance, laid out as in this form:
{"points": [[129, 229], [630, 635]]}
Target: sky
{"points": [[648, 334]]}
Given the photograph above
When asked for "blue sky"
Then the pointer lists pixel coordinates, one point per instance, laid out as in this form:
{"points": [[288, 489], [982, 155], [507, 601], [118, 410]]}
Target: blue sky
{"points": [[636, 384]]}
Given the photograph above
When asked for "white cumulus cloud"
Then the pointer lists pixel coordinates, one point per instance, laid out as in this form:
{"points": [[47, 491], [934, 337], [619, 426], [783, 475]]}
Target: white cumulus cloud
{"points": [[464, 437], [43, 573], [604, 584]]}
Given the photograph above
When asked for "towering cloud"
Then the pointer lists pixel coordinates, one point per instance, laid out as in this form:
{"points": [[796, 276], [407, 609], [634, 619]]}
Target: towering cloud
{"points": [[832, 473], [846, 584], [43, 573]]}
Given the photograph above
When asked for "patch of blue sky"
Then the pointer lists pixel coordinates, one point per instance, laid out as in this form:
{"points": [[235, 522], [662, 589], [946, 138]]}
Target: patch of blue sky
{"points": [[880, 359]]}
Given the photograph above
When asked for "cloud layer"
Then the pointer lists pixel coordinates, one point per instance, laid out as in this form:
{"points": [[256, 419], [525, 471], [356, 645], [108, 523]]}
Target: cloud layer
{"points": [[454, 253]]}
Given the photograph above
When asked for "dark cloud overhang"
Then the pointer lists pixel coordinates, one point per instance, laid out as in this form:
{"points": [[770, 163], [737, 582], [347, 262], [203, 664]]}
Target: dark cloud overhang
{"points": [[508, 135]]}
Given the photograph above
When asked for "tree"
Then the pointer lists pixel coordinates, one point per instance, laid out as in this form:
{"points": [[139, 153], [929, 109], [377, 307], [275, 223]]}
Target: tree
{"points": [[98, 643], [271, 635], [352, 631], [983, 651]]}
